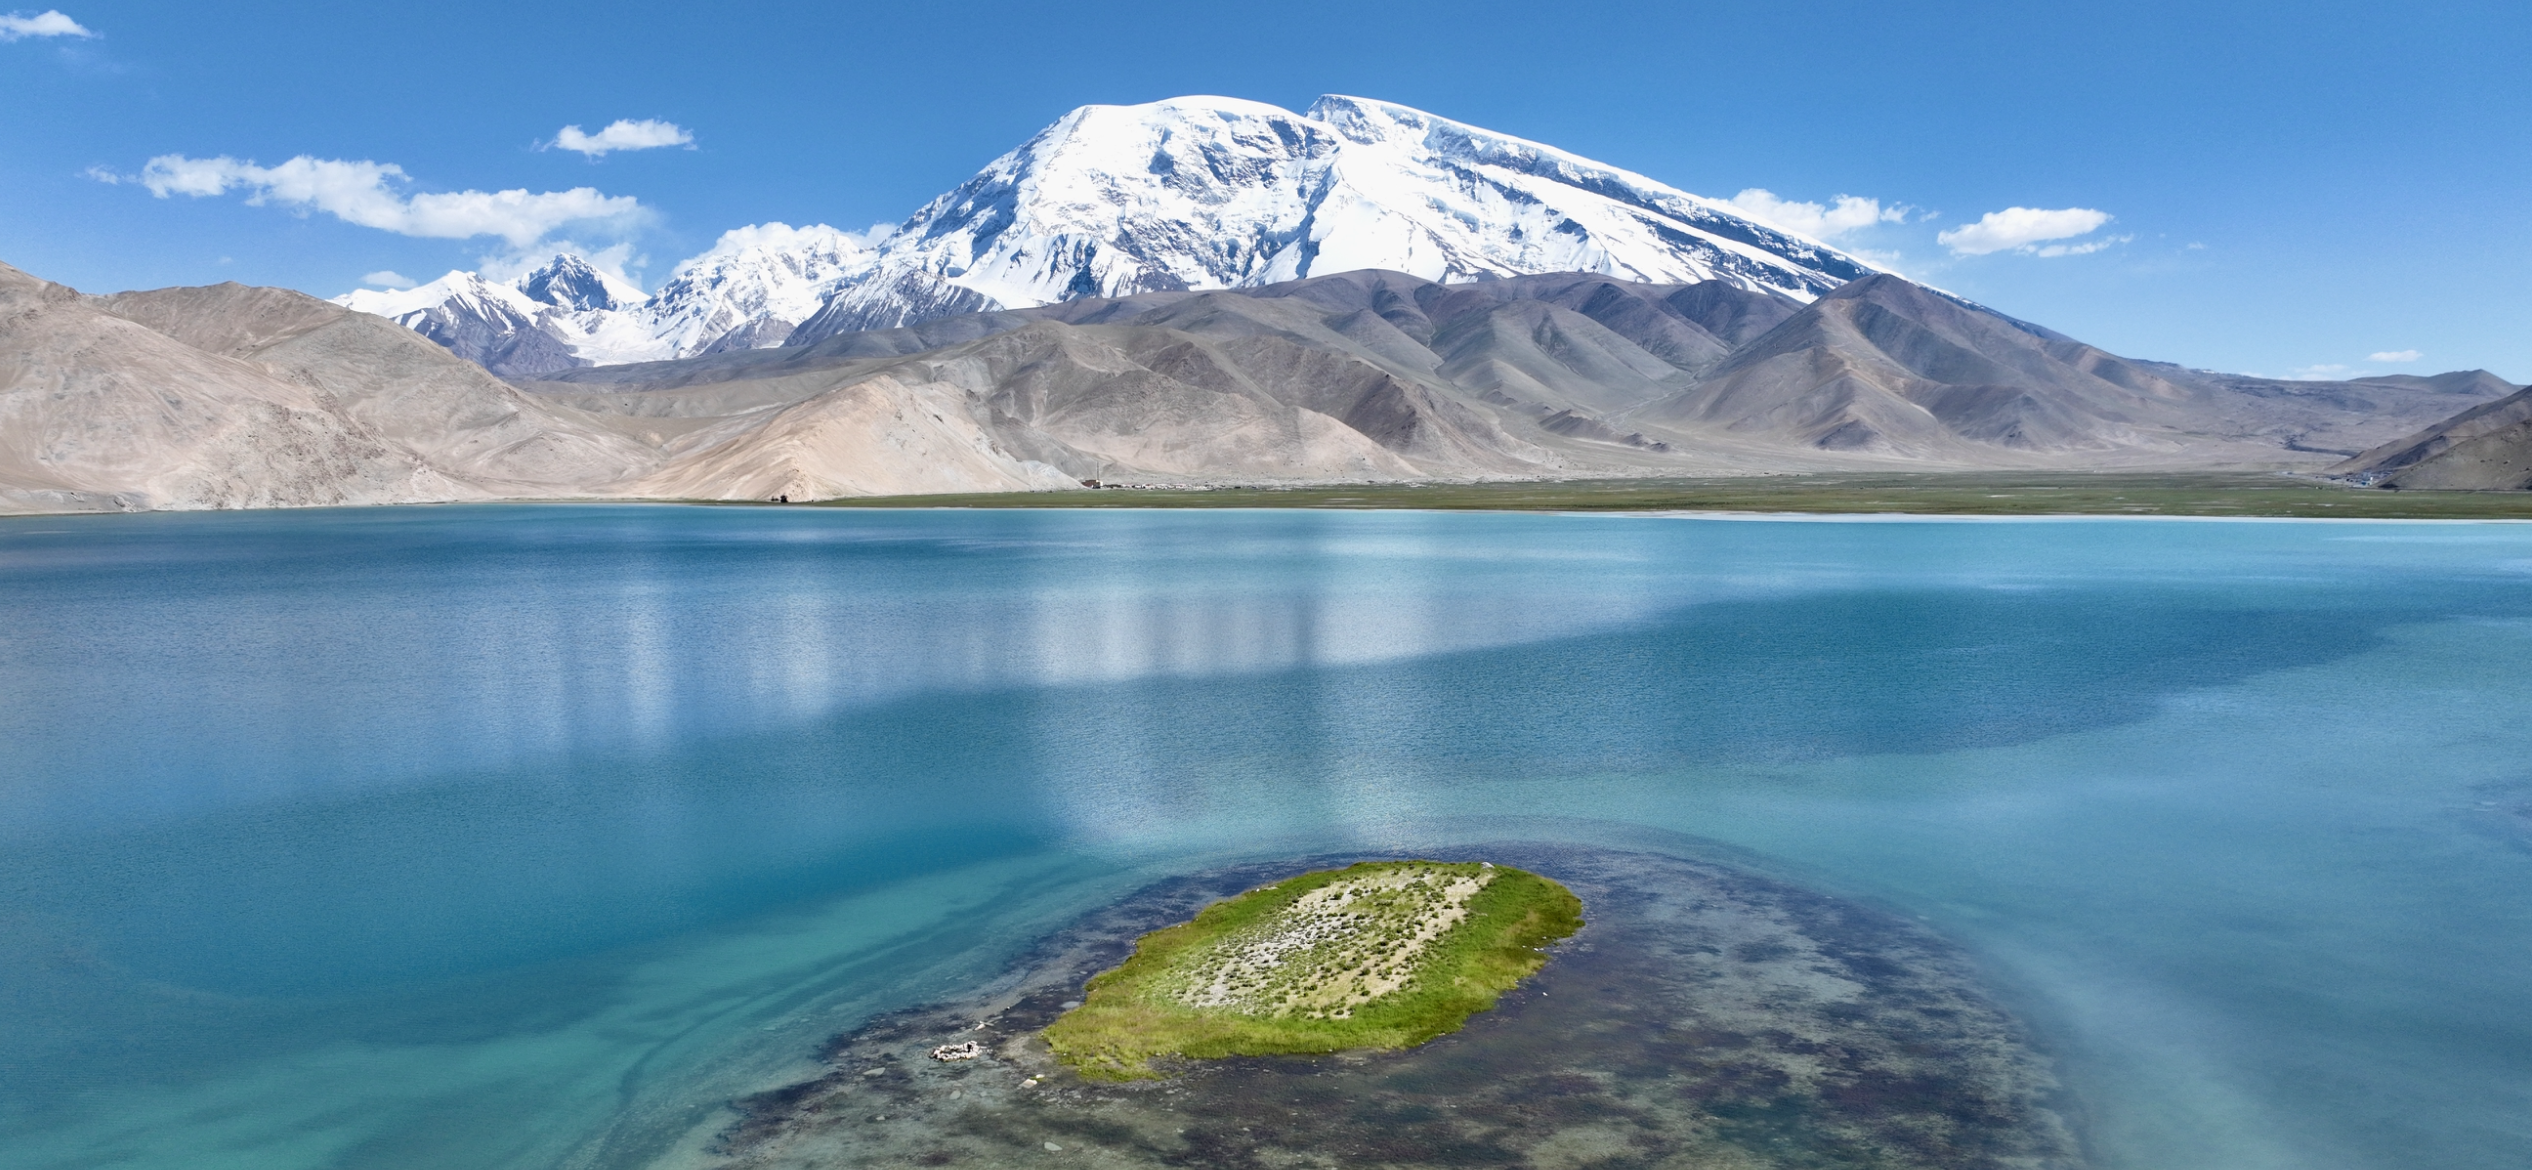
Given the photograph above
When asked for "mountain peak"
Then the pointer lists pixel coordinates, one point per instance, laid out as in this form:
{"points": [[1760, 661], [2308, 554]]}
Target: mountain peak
{"points": [[1193, 193], [1183, 105], [458, 287], [1213, 192], [1367, 120], [569, 282]]}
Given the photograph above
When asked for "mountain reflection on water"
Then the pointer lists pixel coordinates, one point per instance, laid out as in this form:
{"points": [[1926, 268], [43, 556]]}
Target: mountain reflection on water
{"points": [[510, 836]]}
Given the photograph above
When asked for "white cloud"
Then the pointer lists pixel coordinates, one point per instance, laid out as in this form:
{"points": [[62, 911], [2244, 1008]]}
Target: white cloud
{"points": [[48, 23], [766, 235], [779, 235], [2395, 355], [363, 193], [624, 134], [2320, 373], [2084, 249], [2023, 229], [388, 278], [786, 238], [1843, 214]]}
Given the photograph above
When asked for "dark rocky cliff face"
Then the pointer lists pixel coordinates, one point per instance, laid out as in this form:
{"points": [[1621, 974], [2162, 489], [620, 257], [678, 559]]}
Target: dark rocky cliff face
{"points": [[570, 283]]}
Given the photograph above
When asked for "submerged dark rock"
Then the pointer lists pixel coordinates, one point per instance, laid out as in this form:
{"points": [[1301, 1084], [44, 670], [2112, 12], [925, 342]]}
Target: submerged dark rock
{"points": [[1705, 1016]]}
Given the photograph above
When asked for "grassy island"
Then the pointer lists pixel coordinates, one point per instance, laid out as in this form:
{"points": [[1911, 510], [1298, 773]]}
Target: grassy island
{"points": [[1383, 954]]}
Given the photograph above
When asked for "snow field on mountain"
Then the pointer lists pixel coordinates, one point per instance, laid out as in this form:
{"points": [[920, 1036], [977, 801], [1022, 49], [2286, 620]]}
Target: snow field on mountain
{"points": [[1187, 193]]}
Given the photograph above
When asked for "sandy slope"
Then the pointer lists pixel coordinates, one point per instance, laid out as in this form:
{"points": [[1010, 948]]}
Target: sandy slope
{"points": [[874, 437], [98, 412], [2485, 448], [230, 396]]}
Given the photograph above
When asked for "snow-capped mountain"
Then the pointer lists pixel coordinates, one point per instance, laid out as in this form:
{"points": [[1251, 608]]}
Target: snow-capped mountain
{"points": [[1208, 192], [1189, 193], [750, 291], [1217, 192], [573, 284], [494, 324]]}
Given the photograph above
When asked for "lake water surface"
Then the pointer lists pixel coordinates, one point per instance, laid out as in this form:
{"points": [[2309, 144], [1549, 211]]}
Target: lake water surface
{"points": [[530, 836]]}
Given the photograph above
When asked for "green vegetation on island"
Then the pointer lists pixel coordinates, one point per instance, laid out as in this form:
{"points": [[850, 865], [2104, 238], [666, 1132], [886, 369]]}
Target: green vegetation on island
{"points": [[1382, 954]]}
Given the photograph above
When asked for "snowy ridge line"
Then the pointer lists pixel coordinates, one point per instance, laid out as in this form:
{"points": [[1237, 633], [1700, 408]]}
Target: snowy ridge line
{"points": [[1189, 193]]}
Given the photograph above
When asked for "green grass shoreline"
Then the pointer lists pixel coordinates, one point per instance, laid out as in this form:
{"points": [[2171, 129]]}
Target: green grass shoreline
{"points": [[2247, 494], [1135, 1011]]}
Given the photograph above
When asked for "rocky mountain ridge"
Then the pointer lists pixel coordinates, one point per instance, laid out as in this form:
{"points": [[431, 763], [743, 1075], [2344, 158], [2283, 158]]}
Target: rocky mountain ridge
{"points": [[1552, 375], [239, 397], [230, 396], [2485, 448]]}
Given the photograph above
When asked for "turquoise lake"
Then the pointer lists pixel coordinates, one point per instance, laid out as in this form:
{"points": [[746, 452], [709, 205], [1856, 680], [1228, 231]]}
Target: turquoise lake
{"points": [[511, 836]]}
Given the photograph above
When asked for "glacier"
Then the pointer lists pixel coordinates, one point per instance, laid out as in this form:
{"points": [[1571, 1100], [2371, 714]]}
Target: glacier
{"points": [[1190, 193]]}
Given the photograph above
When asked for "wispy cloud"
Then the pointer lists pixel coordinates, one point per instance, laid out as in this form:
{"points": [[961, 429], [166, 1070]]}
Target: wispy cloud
{"points": [[2083, 249], [48, 23], [623, 134], [2395, 355], [1840, 215], [388, 278], [2025, 229], [365, 193], [783, 236]]}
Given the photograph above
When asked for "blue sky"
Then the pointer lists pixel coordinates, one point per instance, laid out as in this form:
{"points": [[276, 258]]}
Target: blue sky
{"points": [[2291, 187]]}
